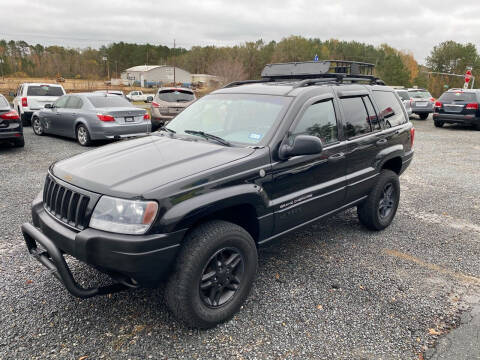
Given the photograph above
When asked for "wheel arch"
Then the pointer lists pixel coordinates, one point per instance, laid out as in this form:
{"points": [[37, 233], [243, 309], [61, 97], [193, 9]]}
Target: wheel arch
{"points": [[243, 205]]}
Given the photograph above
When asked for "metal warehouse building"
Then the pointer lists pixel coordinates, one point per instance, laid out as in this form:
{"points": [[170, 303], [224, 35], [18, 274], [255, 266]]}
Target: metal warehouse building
{"points": [[155, 75]]}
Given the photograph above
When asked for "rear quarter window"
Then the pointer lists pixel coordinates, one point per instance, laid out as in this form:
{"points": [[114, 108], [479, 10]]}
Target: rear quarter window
{"points": [[390, 108]]}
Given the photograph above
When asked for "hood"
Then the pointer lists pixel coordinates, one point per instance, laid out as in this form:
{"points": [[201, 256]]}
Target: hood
{"points": [[131, 168]]}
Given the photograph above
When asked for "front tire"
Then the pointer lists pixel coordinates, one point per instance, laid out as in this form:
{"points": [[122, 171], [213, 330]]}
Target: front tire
{"points": [[37, 126], [380, 207], [83, 136], [213, 274]]}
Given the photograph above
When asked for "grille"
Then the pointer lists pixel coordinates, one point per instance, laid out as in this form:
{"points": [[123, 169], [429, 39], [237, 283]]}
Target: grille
{"points": [[65, 204]]}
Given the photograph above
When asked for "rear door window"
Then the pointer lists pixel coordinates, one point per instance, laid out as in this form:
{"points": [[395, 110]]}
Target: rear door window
{"points": [[74, 102], [356, 117], [172, 95], [391, 110], [44, 90]]}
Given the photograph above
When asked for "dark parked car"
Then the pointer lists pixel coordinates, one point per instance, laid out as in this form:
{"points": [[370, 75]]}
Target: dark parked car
{"points": [[91, 116], [422, 102], [11, 129], [234, 171], [458, 106]]}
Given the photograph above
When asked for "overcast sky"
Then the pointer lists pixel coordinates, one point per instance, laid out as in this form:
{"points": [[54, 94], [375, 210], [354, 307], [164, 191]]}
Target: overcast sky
{"points": [[405, 24]]}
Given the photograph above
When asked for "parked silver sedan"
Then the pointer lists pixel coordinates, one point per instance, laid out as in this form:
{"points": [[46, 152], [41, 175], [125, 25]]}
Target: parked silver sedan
{"points": [[406, 100], [91, 116]]}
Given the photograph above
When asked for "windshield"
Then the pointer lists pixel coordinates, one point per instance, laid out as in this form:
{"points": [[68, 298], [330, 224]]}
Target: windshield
{"points": [[238, 118], [403, 95], [174, 95], [108, 101], [419, 94], [457, 96], [44, 90]]}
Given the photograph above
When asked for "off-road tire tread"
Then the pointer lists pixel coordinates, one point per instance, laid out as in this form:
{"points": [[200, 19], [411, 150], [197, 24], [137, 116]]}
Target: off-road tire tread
{"points": [[182, 278], [367, 211]]}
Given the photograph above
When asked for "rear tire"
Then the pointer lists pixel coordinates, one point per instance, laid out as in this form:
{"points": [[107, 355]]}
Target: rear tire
{"points": [[20, 142], [83, 136], [423, 116], [438, 124], [25, 120], [213, 274], [380, 207], [37, 126]]}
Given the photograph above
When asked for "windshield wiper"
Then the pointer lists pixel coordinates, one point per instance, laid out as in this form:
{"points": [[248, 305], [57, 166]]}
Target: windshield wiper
{"points": [[208, 136], [164, 128]]}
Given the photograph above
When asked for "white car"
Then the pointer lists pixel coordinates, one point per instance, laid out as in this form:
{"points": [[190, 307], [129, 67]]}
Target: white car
{"points": [[139, 96], [31, 97]]}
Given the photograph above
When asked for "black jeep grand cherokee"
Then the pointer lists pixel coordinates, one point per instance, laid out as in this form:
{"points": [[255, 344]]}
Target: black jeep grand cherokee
{"points": [[235, 170]]}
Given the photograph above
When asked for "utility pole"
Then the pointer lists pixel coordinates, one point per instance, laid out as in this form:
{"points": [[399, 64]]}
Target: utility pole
{"points": [[1, 68], [174, 62]]}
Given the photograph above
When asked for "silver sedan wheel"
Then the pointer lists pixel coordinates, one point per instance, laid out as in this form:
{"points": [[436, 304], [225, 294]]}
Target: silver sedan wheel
{"points": [[37, 126], [82, 135]]}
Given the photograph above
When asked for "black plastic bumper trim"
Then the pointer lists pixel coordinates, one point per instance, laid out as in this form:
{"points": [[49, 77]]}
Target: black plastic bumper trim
{"points": [[54, 261]]}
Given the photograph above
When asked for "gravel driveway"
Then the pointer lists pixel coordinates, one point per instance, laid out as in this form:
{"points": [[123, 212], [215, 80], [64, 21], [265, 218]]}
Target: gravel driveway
{"points": [[331, 290]]}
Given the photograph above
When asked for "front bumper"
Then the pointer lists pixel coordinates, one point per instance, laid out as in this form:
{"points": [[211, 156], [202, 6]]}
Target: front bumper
{"points": [[456, 119], [131, 260]]}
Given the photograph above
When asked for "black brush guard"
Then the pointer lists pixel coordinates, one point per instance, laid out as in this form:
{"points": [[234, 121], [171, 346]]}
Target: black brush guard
{"points": [[52, 258]]}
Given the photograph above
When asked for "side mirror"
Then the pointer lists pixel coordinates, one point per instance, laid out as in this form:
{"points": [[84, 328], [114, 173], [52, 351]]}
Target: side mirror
{"points": [[302, 145], [49, 106]]}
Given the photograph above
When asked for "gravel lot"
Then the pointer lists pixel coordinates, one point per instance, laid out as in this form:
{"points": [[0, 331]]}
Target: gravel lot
{"points": [[331, 290]]}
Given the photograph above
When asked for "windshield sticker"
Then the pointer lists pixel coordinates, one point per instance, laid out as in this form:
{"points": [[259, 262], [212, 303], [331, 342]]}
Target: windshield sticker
{"points": [[255, 136]]}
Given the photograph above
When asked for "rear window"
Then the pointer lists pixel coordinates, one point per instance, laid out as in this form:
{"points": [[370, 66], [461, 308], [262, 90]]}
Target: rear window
{"points": [[108, 101], [390, 108], [44, 90], [3, 102], [419, 94], [458, 96], [403, 95], [176, 95]]}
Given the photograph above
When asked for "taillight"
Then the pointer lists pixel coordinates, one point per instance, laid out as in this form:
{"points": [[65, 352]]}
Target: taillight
{"points": [[11, 115], [105, 117], [412, 136], [432, 99], [438, 104], [24, 102], [155, 105], [146, 117], [472, 106]]}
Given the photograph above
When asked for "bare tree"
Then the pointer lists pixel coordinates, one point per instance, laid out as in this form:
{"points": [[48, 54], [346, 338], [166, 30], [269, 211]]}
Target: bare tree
{"points": [[228, 70]]}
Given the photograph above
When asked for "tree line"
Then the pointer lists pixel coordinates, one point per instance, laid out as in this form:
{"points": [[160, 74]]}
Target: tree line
{"points": [[395, 67]]}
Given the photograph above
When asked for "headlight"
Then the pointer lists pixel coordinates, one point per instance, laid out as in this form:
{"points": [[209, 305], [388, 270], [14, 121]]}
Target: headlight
{"points": [[123, 216]]}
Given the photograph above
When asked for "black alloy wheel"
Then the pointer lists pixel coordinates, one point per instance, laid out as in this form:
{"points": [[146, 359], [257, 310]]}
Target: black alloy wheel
{"points": [[222, 277]]}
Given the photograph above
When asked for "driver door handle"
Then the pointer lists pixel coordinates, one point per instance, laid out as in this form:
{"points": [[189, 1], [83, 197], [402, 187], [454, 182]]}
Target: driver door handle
{"points": [[336, 157]]}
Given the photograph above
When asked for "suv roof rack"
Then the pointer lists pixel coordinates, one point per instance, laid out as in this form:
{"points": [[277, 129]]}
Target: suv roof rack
{"points": [[314, 72]]}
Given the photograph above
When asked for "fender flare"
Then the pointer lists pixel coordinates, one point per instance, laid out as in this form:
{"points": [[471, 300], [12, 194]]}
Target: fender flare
{"points": [[389, 153], [188, 212]]}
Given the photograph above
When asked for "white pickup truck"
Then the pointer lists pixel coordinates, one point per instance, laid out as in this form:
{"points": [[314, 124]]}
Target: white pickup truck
{"points": [[140, 96], [31, 97]]}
